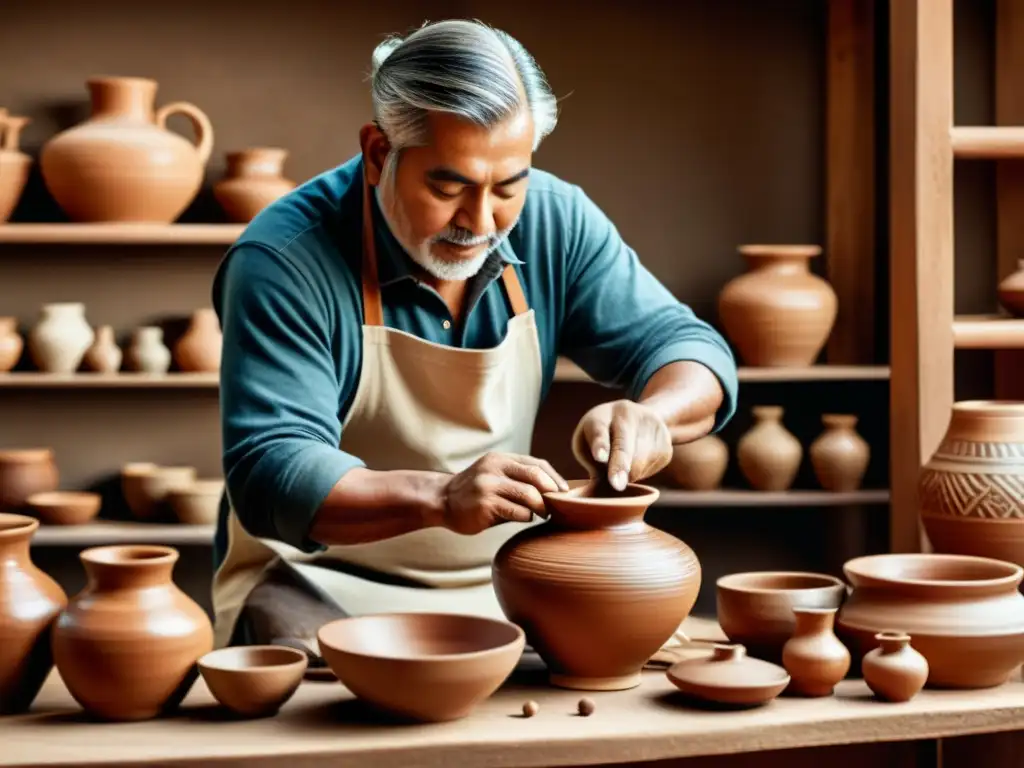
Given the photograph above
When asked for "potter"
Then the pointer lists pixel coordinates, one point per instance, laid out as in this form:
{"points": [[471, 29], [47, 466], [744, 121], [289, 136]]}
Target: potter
{"points": [[390, 329]]}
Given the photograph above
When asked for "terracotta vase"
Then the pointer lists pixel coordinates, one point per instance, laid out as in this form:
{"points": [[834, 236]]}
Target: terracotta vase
{"points": [[814, 657], [14, 164], [768, 454], [971, 492], [965, 613], [839, 455], [122, 164], [24, 472], [11, 343], [595, 569], [700, 465], [104, 356], [778, 313], [29, 602], [894, 671], [254, 180], [198, 350], [126, 646], [59, 340], [1011, 291], [147, 352]]}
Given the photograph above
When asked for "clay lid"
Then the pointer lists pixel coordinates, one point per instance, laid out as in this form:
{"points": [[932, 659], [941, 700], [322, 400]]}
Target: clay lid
{"points": [[729, 676]]}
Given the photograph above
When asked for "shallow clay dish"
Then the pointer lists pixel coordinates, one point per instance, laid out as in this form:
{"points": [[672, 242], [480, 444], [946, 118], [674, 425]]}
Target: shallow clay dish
{"points": [[422, 666], [65, 507], [728, 676], [254, 680], [755, 608]]}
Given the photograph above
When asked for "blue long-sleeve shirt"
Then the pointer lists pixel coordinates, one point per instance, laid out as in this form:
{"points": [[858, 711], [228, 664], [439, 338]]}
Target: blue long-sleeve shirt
{"points": [[289, 297]]}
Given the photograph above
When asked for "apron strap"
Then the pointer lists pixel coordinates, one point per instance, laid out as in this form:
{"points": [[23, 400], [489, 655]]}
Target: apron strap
{"points": [[373, 308]]}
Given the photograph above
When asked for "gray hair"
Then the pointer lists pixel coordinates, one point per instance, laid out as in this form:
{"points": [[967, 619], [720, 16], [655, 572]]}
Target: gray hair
{"points": [[465, 68]]}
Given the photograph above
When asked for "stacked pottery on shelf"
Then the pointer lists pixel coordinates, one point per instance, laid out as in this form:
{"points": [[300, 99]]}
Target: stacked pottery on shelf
{"points": [[14, 164]]}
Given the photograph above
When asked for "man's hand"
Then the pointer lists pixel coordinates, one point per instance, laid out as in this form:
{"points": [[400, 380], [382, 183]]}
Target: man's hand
{"points": [[498, 488], [630, 438]]}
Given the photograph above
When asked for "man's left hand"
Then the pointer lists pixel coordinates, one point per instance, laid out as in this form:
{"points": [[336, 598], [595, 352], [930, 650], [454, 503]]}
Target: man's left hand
{"points": [[629, 439]]}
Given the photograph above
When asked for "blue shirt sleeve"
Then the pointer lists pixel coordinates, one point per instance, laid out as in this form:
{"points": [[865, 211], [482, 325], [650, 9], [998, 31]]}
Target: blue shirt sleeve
{"points": [[279, 397], [621, 324]]}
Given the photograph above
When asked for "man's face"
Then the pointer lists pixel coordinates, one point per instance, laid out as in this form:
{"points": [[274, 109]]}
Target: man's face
{"points": [[453, 201]]}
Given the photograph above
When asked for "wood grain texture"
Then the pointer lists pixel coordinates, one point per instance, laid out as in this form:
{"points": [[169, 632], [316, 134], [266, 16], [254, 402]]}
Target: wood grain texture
{"points": [[120, 234]]}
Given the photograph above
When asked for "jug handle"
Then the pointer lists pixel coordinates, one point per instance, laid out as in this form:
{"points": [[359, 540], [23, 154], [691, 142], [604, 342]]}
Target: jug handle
{"points": [[200, 124], [10, 131]]}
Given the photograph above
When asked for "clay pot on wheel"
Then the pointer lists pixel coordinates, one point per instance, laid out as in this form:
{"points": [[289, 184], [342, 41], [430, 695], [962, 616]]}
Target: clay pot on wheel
{"points": [[14, 164], [700, 465], [769, 455], [595, 569], [255, 179], [839, 455], [11, 343]]}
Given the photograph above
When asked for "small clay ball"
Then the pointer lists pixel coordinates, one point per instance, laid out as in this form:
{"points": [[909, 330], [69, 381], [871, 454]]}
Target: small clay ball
{"points": [[586, 707], [530, 708]]}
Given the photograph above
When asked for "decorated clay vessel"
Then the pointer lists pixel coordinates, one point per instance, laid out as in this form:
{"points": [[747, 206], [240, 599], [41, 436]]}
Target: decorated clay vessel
{"points": [[29, 602], [14, 164], [24, 472], [123, 164], [198, 350], [894, 671], [255, 179], [814, 657], [11, 343], [768, 454], [126, 646], [778, 313], [1011, 291], [595, 569], [59, 340], [104, 356], [839, 455], [700, 465], [971, 493]]}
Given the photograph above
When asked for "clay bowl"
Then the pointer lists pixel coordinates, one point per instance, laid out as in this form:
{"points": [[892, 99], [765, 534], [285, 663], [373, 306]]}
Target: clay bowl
{"points": [[429, 667], [65, 507], [755, 609], [197, 503], [145, 486], [253, 680]]}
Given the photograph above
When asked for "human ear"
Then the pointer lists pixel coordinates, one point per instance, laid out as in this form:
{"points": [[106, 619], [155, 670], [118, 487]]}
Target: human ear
{"points": [[375, 148]]}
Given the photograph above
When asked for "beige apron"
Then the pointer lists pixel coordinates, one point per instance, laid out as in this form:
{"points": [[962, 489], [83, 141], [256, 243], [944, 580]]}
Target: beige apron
{"points": [[418, 406]]}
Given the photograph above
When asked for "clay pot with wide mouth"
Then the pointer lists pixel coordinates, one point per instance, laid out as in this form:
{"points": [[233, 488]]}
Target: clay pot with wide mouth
{"points": [[255, 178], [253, 680], [24, 472]]}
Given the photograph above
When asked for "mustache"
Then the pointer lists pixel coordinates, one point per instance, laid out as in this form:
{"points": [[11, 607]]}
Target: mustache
{"points": [[466, 237]]}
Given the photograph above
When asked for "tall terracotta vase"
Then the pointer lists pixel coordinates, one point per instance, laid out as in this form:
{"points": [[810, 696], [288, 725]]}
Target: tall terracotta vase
{"points": [[1011, 291], [768, 454], [29, 602], [255, 179], [972, 489], [14, 164], [199, 349], [122, 164], [596, 589], [24, 472], [126, 646], [11, 343], [839, 455], [778, 313]]}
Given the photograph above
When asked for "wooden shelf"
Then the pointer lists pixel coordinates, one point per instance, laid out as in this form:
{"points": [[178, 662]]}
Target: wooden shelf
{"points": [[987, 142], [35, 380], [566, 370], [988, 332], [748, 498], [120, 234], [117, 532]]}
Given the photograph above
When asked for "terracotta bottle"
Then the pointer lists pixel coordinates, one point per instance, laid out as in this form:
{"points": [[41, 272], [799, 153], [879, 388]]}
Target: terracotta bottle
{"points": [[11, 343], [104, 356], [769, 455], [126, 646], [199, 349], [14, 164], [814, 657], [147, 352], [700, 465], [24, 472], [58, 341], [839, 455], [894, 670], [254, 180], [1011, 291], [595, 569], [122, 164], [778, 313], [29, 602]]}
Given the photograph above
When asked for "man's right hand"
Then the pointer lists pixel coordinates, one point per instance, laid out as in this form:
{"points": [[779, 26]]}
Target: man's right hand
{"points": [[498, 488]]}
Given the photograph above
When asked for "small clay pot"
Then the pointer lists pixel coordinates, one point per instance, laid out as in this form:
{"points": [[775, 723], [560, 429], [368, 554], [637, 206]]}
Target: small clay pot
{"points": [[769, 455], [104, 356], [894, 670], [199, 349], [254, 680], [197, 503], [145, 487], [15, 165], [24, 472], [728, 676], [255, 179], [1011, 291], [57, 343], [839, 455], [814, 657], [700, 465], [147, 352], [11, 343]]}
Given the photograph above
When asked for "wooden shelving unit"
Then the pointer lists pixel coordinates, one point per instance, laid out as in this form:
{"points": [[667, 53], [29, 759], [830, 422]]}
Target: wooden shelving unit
{"points": [[988, 332], [119, 234]]}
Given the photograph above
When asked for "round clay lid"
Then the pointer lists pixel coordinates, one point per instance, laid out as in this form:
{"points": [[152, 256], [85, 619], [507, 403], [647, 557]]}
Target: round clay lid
{"points": [[729, 676]]}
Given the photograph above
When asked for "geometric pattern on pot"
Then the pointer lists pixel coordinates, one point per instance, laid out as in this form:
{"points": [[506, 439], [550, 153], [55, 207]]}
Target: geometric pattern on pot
{"points": [[974, 479]]}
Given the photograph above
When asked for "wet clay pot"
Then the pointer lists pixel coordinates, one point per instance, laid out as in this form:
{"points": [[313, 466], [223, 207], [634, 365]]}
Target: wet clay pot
{"points": [[24, 472], [700, 465], [595, 569], [814, 657], [965, 613], [11, 343], [768, 454], [29, 602], [778, 313], [59, 340], [1011, 291], [104, 356], [122, 164], [198, 350], [14, 164], [894, 671], [127, 644], [972, 490], [839, 455], [255, 179]]}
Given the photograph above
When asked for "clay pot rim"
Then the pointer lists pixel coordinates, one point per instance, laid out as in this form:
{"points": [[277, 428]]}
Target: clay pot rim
{"points": [[198, 488], [15, 526], [990, 407], [839, 419], [21, 455], [291, 658], [108, 79], [808, 250], [254, 150], [808, 610], [76, 305], [734, 582], [872, 571], [63, 498], [635, 493], [121, 554], [892, 636], [767, 411]]}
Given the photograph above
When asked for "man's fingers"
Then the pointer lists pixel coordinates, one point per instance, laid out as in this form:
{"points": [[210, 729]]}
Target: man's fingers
{"points": [[623, 435], [504, 509], [545, 468], [598, 436]]}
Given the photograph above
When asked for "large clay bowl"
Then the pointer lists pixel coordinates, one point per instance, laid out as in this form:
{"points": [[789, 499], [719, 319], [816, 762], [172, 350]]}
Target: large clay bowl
{"points": [[253, 680], [965, 614], [422, 666], [755, 609]]}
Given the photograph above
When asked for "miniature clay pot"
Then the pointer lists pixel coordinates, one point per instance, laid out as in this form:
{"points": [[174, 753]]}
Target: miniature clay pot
{"points": [[894, 671], [14, 164], [24, 472], [728, 676], [11, 343], [778, 313], [700, 465], [104, 356], [122, 164], [814, 657], [1011, 291], [971, 491], [839, 455], [965, 613], [255, 680], [768, 454], [126, 646], [59, 340], [254, 180], [199, 349], [147, 352], [29, 602], [596, 569]]}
